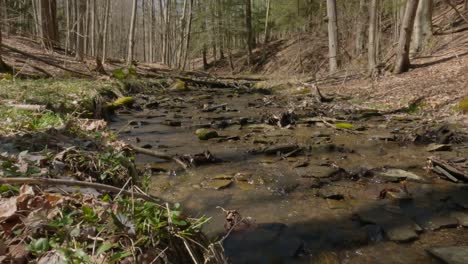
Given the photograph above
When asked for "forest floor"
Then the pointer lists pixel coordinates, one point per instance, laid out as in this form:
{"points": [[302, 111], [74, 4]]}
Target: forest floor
{"points": [[331, 180]]}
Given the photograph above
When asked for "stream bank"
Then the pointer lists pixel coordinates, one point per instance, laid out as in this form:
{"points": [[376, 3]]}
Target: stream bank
{"points": [[309, 181]]}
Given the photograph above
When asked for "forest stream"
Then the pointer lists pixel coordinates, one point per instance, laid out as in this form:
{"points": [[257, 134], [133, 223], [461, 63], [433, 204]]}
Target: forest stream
{"points": [[307, 180]]}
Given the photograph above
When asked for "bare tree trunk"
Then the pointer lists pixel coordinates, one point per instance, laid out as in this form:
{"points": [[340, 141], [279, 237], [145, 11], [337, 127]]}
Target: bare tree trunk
{"points": [[189, 34], [422, 25], [105, 31], [151, 30], [93, 27], [332, 35], [180, 53], [80, 8], [131, 33], [267, 20], [3, 66], [67, 38], [402, 62], [49, 23], [360, 28], [248, 27], [372, 45]]}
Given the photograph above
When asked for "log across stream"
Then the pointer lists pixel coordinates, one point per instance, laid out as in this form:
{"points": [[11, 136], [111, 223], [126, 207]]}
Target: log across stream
{"points": [[323, 182]]}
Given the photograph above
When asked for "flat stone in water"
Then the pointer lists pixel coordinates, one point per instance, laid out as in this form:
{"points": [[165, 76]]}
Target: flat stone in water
{"points": [[396, 227], [384, 136], [437, 222], [218, 184], [395, 175], [223, 177], [461, 217], [438, 147], [451, 255]]}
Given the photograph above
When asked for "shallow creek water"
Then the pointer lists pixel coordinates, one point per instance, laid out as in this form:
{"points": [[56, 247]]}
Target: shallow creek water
{"points": [[320, 206]]}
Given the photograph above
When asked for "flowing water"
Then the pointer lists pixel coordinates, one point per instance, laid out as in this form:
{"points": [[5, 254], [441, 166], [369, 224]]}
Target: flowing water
{"points": [[317, 205]]}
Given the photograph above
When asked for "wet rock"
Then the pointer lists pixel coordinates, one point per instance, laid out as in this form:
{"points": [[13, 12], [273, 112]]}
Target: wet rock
{"points": [[396, 175], [441, 134], [280, 149], [147, 146], [462, 217], [138, 123], [451, 255], [438, 147], [223, 177], [384, 136], [330, 194], [218, 184], [436, 222], [205, 134], [172, 123], [152, 105], [396, 227], [243, 177], [374, 233]]}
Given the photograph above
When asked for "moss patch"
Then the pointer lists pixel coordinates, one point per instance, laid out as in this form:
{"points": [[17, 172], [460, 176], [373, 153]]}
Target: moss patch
{"points": [[179, 85], [121, 102], [344, 126], [463, 105]]}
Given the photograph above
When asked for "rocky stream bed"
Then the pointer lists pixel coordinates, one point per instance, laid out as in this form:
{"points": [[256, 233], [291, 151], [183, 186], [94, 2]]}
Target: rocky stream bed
{"points": [[309, 181]]}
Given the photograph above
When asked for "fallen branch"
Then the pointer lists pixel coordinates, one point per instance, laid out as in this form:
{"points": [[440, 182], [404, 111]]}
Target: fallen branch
{"points": [[36, 108], [96, 186], [213, 107], [158, 155], [456, 10], [44, 60]]}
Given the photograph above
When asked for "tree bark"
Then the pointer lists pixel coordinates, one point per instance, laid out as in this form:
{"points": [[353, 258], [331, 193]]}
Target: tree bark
{"points": [[363, 16], [104, 32], [131, 33], [267, 20], [49, 23], [80, 7], [372, 44], [402, 62], [248, 28], [3, 66], [332, 35], [422, 25], [189, 34]]}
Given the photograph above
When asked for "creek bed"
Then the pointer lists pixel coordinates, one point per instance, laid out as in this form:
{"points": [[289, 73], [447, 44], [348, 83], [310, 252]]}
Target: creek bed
{"points": [[360, 196]]}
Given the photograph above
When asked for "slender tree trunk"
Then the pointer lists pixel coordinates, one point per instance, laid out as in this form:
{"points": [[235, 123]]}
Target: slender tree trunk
{"points": [[248, 27], [151, 32], [131, 33], [105, 31], [332, 35], [360, 27], [93, 27], [49, 23], [372, 45], [180, 53], [80, 7], [402, 62], [3, 66], [267, 20], [422, 25], [67, 15], [189, 34]]}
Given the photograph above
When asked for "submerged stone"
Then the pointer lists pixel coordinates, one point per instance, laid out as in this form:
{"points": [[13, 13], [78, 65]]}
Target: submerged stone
{"points": [[205, 134], [451, 255], [218, 184], [395, 175]]}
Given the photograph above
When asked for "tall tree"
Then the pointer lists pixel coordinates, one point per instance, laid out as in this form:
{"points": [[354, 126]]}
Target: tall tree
{"points": [[248, 28], [131, 33], [402, 62], [105, 31], [267, 19], [80, 9], [372, 45], [332, 35], [3, 66], [49, 25], [422, 25], [360, 27]]}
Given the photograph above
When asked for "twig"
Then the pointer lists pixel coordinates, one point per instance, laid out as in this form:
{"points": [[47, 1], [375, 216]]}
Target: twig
{"points": [[159, 155], [55, 182]]}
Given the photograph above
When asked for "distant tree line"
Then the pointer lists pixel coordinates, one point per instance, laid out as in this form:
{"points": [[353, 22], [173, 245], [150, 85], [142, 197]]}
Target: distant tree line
{"points": [[176, 32]]}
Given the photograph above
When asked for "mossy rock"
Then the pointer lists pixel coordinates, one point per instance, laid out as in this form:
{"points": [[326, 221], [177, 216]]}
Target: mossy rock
{"points": [[205, 134], [463, 106], [179, 85], [120, 102], [344, 126], [125, 73]]}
